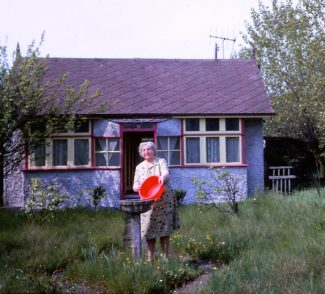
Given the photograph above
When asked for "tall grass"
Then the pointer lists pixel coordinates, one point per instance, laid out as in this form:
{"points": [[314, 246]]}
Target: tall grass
{"points": [[77, 251], [284, 248], [275, 245]]}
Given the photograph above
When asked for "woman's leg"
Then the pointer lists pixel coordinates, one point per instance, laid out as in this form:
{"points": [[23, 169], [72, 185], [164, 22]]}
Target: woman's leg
{"points": [[164, 241], [151, 244]]}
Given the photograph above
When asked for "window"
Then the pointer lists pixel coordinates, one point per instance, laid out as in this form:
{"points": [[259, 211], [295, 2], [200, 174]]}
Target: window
{"points": [[232, 149], [81, 127], [192, 124], [216, 140], [169, 148], [212, 124], [70, 149], [81, 150], [192, 150], [38, 157], [213, 149], [60, 152], [232, 124], [107, 152]]}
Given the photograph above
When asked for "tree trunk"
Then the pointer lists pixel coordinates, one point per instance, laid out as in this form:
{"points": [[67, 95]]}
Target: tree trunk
{"points": [[317, 175], [1, 182]]}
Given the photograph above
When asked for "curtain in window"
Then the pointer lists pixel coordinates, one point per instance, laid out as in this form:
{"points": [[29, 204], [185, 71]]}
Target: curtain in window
{"points": [[107, 152], [100, 144], [162, 143], [232, 149], [174, 153], [60, 152], [113, 144], [39, 155], [81, 152], [213, 149], [113, 157], [193, 150], [174, 143]]}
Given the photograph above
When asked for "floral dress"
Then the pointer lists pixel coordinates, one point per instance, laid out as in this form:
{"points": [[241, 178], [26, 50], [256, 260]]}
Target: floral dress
{"points": [[162, 218]]}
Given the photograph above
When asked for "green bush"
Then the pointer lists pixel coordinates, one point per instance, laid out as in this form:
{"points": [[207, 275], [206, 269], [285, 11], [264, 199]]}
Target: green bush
{"points": [[179, 195], [43, 201]]}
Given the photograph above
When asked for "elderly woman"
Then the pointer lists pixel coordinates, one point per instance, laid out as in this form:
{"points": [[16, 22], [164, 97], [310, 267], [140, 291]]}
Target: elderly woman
{"points": [[162, 218]]}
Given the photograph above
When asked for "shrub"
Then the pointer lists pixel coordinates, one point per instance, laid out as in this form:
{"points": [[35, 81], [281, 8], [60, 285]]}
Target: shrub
{"points": [[98, 194], [179, 195], [222, 186], [43, 201]]}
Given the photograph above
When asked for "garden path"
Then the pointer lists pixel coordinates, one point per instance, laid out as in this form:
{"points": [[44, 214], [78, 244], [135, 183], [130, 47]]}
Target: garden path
{"points": [[194, 285]]}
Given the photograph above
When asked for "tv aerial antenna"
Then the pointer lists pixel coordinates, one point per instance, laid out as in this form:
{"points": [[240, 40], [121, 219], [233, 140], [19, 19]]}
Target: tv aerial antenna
{"points": [[223, 44]]}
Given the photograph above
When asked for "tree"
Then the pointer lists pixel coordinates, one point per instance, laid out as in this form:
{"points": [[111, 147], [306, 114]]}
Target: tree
{"points": [[290, 48], [221, 186], [32, 107]]}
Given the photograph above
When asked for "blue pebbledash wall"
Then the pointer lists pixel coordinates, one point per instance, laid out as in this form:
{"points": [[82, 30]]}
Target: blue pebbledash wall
{"points": [[254, 152], [78, 184]]}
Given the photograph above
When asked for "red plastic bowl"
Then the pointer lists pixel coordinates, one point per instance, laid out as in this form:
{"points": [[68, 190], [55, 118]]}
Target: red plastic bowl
{"points": [[151, 189]]}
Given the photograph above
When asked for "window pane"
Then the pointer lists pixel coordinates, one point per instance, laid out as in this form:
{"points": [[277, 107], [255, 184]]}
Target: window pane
{"points": [[113, 144], [81, 152], [60, 152], [174, 143], [39, 155], [114, 159], [163, 154], [192, 124], [162, 143], [232, 149], [100, 144], [101, 159], [81, 127], [232, 124], [174, 158], [213, 150], [212, 124], [193, 150]]}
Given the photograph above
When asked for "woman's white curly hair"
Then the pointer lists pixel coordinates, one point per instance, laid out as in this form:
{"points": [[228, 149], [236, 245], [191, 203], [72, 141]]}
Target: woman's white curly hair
{"points": [[148, 144]]}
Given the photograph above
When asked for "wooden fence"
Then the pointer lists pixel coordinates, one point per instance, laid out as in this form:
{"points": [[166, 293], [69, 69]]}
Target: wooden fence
{"points": [[281, 179]]}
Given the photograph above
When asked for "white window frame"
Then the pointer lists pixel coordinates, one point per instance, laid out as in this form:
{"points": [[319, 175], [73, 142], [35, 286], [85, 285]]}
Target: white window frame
{"points": [[171, 150], [107, 151], [222, 134], [70, 137], [70, 154]]}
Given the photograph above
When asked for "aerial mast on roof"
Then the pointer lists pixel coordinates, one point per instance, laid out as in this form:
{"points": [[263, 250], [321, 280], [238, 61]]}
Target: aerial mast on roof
{"points": [[223, 45]]}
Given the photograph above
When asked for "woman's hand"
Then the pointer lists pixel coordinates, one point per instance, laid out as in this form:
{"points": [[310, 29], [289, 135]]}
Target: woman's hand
{"points": [[136, 187], [161, 180]]}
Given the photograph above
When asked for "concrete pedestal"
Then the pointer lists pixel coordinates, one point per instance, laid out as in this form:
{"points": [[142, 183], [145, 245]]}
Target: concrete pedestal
{"points": [[133, 208]]}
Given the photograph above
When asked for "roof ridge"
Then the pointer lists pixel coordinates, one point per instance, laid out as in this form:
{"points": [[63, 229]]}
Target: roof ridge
{"points": [[151, 59]]}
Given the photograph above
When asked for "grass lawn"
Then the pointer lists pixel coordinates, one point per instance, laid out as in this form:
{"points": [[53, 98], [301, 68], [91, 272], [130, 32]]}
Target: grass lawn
{"points": [[275, 245]]}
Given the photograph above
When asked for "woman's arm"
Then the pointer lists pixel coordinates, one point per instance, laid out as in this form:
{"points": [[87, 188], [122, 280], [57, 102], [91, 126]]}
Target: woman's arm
{"points": [[136, 181], [164, 171]]}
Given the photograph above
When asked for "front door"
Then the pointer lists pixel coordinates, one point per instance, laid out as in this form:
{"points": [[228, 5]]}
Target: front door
{"points": [[131, 156]]}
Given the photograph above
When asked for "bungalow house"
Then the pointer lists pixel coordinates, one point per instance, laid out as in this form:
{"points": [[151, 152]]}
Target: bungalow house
{"points": [[201, 113]]}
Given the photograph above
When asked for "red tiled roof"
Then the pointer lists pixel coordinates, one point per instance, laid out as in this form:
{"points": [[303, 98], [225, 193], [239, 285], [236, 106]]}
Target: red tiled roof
{"points": [[146, 87]]}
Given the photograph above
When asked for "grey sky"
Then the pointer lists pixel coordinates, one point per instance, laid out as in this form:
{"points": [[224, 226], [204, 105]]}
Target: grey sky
{"points": [[125, 28]]}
